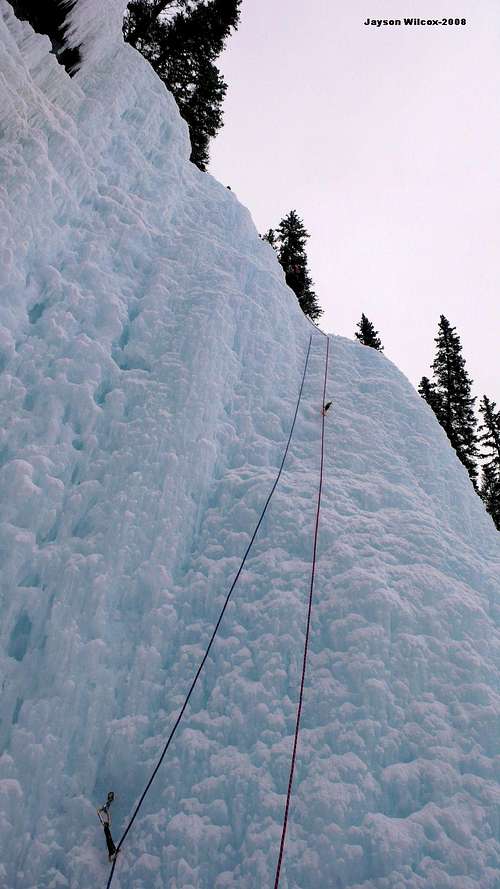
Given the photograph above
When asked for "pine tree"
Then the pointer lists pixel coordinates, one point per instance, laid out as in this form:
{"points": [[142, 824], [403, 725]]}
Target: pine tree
{"points": [[490, 494], [270, 237], [182, 39], [433, 398], [449, 395], [141, 17], [367, 334], [290, 238], [490, 440]]}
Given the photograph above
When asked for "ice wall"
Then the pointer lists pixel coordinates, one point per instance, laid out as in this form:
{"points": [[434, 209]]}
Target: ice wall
{"points": [[150, 359]]}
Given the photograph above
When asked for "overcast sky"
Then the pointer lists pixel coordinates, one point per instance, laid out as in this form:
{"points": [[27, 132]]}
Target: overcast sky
{"points": [[387, 142]]}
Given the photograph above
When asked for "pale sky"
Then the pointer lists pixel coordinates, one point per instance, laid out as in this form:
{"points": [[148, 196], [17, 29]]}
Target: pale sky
{"points": [[387, 142]]}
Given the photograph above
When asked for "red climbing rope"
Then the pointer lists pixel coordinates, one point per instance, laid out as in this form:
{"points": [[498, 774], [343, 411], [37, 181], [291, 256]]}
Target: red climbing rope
{"points": [[306, 641], [217, 625]]}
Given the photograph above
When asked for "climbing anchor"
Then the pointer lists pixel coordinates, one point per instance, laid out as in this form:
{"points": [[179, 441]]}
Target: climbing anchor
{"points": [[105, 819]]}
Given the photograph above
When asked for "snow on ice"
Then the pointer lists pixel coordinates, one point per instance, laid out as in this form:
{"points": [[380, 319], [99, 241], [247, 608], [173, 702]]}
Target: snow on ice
{"points": [[150, 360]]}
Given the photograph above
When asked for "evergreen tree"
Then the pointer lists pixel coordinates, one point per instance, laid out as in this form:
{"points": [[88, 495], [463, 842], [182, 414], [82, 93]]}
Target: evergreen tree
{"points": [[490, 439], [449, 395], [290, 238], [367, 334], [141, 17], [182, 39], [429, 393], [490, 494], [270, 237]]}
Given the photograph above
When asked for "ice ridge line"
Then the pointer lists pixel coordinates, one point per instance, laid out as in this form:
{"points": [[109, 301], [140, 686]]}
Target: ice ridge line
{"points": [[217, 625]]}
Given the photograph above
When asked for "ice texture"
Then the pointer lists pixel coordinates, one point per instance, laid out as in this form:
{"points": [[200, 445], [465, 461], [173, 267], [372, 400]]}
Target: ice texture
{"points": [[150, 361]]}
